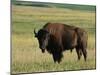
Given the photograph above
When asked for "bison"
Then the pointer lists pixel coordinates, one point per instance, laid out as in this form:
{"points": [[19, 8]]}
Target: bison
{"points": [[58, 37]]}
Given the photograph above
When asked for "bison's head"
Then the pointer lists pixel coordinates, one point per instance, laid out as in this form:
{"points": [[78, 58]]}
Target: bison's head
{"points": [[43, 38]]}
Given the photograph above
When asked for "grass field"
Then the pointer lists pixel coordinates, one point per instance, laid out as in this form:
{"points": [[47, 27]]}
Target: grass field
{"points": [[26, 55]]}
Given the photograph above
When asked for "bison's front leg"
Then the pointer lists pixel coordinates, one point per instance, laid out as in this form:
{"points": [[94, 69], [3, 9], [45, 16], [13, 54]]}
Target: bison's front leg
{"points": [[57, 56], [79, 53]]}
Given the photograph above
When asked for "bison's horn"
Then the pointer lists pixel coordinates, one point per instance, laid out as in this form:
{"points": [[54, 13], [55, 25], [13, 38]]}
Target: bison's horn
{"points": [[35, 33]]}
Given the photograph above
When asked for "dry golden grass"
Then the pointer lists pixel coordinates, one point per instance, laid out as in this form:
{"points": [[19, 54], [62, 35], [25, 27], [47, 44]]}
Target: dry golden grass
{"points": [[26, 55]]}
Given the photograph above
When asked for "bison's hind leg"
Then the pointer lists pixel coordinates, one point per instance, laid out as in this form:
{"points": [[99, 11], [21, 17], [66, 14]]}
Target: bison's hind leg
{"points": [[84, 50], [84, 54], [79, 53]]}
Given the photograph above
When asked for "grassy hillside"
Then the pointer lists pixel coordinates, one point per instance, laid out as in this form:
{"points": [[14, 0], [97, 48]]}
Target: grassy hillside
{"points": [[55, 5], [26, 55]]}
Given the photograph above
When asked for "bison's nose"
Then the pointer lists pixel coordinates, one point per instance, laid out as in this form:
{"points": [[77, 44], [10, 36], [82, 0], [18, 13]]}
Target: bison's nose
{"points": [[41, 47]]}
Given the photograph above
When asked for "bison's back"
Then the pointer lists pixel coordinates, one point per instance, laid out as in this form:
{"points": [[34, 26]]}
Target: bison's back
{"points": [[54, 28], [57, 27]]}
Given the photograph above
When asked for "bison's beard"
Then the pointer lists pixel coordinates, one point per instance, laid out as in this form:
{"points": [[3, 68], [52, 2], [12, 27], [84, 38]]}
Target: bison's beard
{"points": [[43, 50]]}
